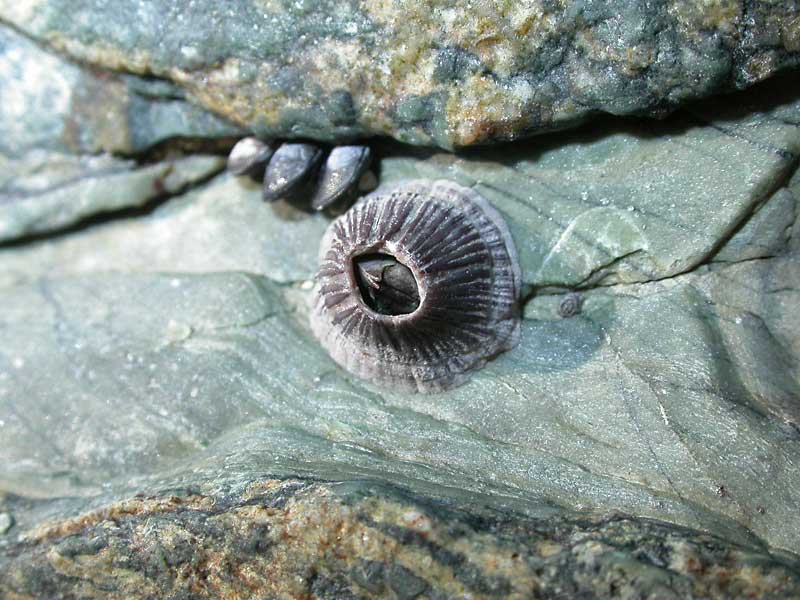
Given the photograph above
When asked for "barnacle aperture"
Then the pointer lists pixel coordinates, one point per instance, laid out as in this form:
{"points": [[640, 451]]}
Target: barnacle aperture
{"points": [[417, 287]]}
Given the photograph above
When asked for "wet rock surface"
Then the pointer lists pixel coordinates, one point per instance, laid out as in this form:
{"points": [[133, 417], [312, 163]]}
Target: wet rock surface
{"points": [[169, 425], [47, 192], [340, 541], [49, 103], [442, 74]]}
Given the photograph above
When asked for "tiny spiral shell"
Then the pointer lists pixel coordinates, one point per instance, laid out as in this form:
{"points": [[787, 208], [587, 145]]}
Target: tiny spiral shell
{"points": [[570, 305], [461, 255]]}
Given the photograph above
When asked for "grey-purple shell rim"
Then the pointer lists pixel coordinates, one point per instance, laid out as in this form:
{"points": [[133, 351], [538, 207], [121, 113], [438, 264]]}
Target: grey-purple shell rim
{"points": [[462, 254]]}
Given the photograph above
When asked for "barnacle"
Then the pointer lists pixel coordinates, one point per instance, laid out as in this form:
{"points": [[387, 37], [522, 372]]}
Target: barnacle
{"points": [[292, 170], [570, 305], [417, 287]]}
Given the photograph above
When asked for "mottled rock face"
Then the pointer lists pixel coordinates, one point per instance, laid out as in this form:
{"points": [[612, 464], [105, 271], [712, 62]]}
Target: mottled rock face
{"points": [[443, 74], [167, 417], [341, 542]]}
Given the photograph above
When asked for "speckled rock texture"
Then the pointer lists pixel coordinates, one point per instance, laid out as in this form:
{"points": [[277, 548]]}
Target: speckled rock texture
{"points": [[446, 74], [298, 539], [169, 426]]}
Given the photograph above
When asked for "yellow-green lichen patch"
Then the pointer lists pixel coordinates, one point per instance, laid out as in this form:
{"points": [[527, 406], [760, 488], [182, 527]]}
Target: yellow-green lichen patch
{"points": [[708, 15], [790, 34]]}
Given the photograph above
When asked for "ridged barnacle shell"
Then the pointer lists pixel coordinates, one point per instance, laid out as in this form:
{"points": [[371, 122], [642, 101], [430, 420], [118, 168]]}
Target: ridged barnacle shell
{"points": [[462, 258]]}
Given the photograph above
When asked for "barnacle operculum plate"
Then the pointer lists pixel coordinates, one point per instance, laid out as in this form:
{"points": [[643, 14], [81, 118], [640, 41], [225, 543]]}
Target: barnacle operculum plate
{"points": [[417, 287]]}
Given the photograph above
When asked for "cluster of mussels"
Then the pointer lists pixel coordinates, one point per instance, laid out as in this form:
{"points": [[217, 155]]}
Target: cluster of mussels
{"points": [[296, 170]]}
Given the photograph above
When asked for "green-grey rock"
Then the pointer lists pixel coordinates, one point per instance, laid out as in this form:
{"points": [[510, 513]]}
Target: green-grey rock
{"points": [[50, 192], [447, 74], [47, 103], [221, 226], [170, 427], [661, 416], [6, 522], [621, 203]]}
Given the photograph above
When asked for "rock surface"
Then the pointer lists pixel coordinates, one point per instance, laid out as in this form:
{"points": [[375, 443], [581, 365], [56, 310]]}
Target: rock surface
{"points": [[613, 203], [47, 192], [296, 539], [166, 415], [448, 74], [48, 103], [160, 376]]}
